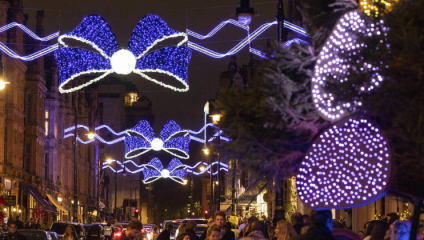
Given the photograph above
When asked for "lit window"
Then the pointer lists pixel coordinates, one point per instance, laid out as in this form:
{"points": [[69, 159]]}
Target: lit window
{"points": [[47, 114], [46, 125]]}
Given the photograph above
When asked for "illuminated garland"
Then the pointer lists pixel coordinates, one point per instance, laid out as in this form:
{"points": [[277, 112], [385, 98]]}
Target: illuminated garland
{"points": [[95, 31], [243, 43], [141, 139], [348, 166], [332, 66], [139, 168]]}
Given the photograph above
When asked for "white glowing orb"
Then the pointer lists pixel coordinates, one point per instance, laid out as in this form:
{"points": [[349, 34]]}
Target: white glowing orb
{"points": [[123, 62], [165, 173], [157, 144]]}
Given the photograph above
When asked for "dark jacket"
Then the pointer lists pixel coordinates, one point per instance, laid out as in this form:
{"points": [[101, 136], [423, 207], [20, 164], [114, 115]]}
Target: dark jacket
{"points": [[192, 234], [298, 228], [315, 233], [164, 235], [19, 224], [15, 236], [255, 235], [229, 235]]}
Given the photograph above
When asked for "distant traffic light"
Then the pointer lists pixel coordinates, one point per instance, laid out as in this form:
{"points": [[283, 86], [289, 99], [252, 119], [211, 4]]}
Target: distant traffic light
{"points": [[206, 211], [136, 213]]}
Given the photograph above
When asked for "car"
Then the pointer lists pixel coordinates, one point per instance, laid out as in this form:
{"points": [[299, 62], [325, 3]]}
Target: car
{"points": [[148, 228], [53, 235], [33, 234], [123, 224], [175, 223], [200, 228], [60, 227]]}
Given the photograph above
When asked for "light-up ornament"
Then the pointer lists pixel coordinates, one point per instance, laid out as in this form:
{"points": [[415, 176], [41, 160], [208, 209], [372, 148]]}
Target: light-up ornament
{"points": [[165, 173], [202, 169], [141, 139], [107, 58], [123, 62], [154, 170], [348, 166], [109, 161], [335, 61], [91, 135]]}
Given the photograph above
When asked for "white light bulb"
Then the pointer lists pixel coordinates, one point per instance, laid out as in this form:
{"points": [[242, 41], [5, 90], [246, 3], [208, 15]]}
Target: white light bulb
{"points": [[157, 144], [165, 173], [123, 62]]}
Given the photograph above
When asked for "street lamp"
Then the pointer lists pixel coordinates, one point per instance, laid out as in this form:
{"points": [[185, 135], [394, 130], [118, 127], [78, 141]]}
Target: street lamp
{"points": [[244, 13], [185, 181], [202, 168], [3, 84], [216, 118], [91, 135], [109, 161], [206, 151]]}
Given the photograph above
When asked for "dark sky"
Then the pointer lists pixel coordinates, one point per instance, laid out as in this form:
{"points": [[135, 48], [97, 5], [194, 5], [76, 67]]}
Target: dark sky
{"points": [[197, 15]]}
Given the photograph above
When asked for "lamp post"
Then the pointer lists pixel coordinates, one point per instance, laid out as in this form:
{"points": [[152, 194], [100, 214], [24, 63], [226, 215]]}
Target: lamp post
{"points": [[75, 210], [109, 161], [129, 203], [280, 20]]}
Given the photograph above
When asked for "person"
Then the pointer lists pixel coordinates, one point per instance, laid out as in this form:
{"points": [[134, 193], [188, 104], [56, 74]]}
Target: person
{"points": [[133, 230], [337, 224], [36, 225], [70, 233], [306, 220], [29, 224], [19, 223], [13, 233], [108, 231], [379, 231], [183, 236], [368, 231], [213, 232], [271, 233], [181, 230], [190, 230], [94, 232], [166, 233], [256, 233], [297, 222], [284, 230], [242, 226], [155, 233], [361, 234], [246, 229], [401, 230], [345, 234], [321, 227], [225, 233], [391, 218]]}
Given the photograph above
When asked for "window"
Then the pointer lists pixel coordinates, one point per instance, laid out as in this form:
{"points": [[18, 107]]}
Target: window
{"points": [[46, 166], [46, 125], [26, 164]]}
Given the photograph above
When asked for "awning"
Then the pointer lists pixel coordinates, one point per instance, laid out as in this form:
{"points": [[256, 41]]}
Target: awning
{"points": [[61, 208], [40, 199]]}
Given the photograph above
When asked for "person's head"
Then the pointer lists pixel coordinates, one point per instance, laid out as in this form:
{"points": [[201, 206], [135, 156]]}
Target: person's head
{"points": [[181, 229], [296, 218], [271, 232], [337, 224], [322, 218], [284, 230], [392, 217], [134, 228], [17, 217], [12, 228], [401, 230], [361, 234], [370, 226], [345, 234], [155, 229], [170, 227], [380, 229], [31, 220], [220, 219], [306, 220], [183, 236], [70, 231], [214, 233], [191, 224], [256, 226]]}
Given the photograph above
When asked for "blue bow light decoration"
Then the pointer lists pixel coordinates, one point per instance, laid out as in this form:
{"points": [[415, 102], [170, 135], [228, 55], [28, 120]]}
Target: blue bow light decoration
{"points": [[108, 58], [141, 139], [154, 170]]}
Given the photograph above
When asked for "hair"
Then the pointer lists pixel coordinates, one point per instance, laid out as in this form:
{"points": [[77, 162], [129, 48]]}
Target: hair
{"points": [[337, 224], [191, 224], [170, 226], [393, 218], [379, 231], [74, 234], [135, 224], [213, 228], [271, 232], [219, 213], [397, 224], [182, 229], [345, 234], [296, 217], [251, 220], [13, 224], [17, 217], [257, 226], [369, 228], [181, 236], [286, 230], [155, 229], [320, 217]]}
